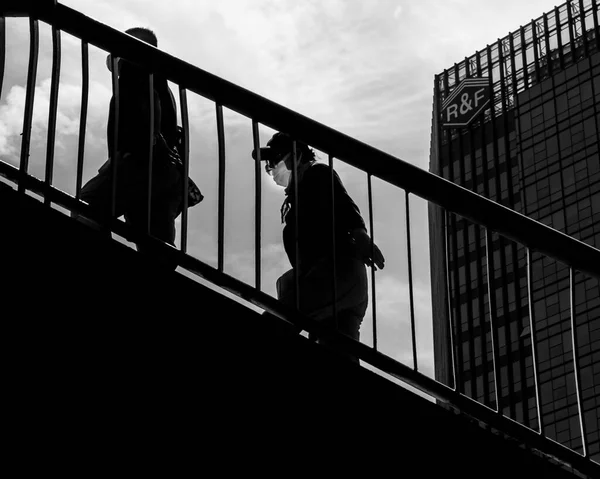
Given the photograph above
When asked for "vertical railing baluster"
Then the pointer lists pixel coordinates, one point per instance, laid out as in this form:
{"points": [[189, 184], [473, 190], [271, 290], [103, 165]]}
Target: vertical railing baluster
{"points": [[151, 141], [534, 350], [221, 219], [373, 291], [333, 248], [53, 107], [185, 159], [29, 99], [576, 368], [296, 225], [2, 51], [493, 322], [257, 206], [85, 86], [456, 376], [410, 283], [114, 61]]}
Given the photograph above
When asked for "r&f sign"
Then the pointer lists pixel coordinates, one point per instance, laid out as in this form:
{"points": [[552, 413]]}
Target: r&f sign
{"points": [[467, 100]]}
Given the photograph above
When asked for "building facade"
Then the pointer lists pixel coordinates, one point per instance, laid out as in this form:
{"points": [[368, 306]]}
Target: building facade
{"points": [[534, 149]]}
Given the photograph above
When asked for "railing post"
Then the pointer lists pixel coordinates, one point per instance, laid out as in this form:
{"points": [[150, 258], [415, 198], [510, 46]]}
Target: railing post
{"points": [[257, 206], [85, 87], [576, 365], [534, 348], [456, 377], [372, 233], [221, 191], [411, 296], [493, 319], [29, 99], [114, 147], [296, 225], [333, 239], [53, 106], [2, 51], [185, 158], [150, 159]]}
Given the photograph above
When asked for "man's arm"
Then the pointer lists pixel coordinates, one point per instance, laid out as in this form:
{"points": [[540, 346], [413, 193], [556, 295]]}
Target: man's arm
{"points": [[368, 250], [348, 214]]}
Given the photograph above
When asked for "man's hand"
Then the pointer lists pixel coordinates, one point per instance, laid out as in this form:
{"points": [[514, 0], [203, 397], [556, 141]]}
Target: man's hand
{"points": [[370, 255]]}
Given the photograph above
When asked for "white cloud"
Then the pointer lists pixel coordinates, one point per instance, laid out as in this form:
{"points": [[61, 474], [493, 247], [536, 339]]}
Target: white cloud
{"points": [[365, 68], [393, 296], [394, 327], [67, 120]]}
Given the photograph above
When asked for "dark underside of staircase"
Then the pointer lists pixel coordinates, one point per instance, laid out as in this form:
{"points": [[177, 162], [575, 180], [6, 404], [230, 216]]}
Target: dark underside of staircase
{"points": [[108, 359]]}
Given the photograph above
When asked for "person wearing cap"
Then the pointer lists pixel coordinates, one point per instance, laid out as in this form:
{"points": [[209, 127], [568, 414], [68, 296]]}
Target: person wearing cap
{"points": [[318, 225]]}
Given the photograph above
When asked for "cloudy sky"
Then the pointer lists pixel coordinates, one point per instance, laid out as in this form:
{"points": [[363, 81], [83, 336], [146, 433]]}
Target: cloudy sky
{"points": [[364, 68]]}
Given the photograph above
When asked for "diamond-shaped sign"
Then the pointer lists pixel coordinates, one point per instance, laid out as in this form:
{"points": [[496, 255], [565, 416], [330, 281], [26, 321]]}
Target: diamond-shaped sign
{"points": [[467, 101]]}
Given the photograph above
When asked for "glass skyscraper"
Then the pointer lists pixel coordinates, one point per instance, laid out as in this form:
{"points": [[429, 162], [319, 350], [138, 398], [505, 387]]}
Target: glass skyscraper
{"points": [[534, 149]]}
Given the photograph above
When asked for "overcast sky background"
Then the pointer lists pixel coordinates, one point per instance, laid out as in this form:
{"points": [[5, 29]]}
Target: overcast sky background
{"points": [[363, 67]]}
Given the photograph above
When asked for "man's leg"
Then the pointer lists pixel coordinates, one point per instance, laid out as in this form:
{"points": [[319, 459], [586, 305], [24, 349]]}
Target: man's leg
{"points": [[351, 304], [348, 323], [97, 194], [164, 210]]}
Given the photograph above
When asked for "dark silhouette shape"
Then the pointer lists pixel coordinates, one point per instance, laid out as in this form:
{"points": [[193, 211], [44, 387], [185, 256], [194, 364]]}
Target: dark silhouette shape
{"points": [[315, 261], [133, 149]]}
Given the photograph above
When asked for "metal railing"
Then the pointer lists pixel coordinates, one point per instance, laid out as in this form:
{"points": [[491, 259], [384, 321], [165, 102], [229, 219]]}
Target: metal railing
{"points": [[491, 216]]}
